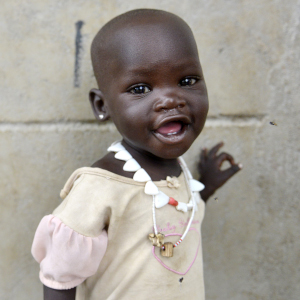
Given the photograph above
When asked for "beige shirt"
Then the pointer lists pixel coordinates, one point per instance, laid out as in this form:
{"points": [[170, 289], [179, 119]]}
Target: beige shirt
{"points": [[131, 268]]}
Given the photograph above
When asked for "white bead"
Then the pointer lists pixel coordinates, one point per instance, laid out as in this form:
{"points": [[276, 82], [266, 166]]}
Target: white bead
{"points": [[131, 165], [196, 197], [151, 188], [161, 199], [182, 207], [123, 155], [116, 147], [190, 205], [141, 176], [196, 186]]}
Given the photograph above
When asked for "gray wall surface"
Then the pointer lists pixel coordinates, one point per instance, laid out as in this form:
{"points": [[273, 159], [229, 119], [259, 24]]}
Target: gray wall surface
{"points": [[250, 52]]}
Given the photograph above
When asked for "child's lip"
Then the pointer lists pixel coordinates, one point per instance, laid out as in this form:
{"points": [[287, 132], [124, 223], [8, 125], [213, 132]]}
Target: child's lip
{"points": [[175, 137], [185, 120]]}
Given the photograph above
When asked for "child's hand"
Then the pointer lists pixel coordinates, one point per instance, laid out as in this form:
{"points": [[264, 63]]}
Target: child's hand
{"points": [[209, 168]]}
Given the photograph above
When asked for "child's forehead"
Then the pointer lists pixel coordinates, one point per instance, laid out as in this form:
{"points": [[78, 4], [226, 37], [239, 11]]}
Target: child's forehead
{"points": [[152, 41], [147, 38], [140, 32]]}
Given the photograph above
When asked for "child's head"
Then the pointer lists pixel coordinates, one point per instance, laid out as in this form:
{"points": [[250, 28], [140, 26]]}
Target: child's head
{"points": [[150, 81]]}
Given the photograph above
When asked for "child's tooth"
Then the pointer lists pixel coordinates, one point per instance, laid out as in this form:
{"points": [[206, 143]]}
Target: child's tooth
{"points": [[172, 133]]}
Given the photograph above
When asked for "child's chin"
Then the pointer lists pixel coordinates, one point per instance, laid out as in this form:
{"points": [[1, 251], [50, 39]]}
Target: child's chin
{"points": [[173, 146], [171, 152]]}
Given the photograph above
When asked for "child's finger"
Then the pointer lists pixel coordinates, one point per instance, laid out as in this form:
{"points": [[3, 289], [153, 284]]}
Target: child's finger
{"points": [[231, 171], [203, 159], [225, 156], [203, 155], [213, 151]]}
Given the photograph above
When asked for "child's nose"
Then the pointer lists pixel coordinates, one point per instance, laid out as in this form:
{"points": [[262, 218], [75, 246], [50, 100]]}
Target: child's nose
{"points": [[168, 103]]}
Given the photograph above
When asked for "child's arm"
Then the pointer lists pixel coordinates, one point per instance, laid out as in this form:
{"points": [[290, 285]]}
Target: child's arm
{"points": [[51, 294], [209, 168]]}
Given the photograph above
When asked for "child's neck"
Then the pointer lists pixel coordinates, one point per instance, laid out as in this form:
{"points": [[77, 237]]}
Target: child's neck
{"points": [[157, 168]]}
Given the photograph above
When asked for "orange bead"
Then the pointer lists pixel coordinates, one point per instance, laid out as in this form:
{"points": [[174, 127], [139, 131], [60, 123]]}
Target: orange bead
{"points": [[173, 202]]}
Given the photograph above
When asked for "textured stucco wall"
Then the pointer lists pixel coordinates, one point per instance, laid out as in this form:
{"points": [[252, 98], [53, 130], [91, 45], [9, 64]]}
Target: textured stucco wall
{"points": [[250, 52]]}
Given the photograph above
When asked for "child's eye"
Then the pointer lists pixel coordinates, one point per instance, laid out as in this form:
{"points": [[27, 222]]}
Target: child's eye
{"points": [[140, 89], [188, 81]]}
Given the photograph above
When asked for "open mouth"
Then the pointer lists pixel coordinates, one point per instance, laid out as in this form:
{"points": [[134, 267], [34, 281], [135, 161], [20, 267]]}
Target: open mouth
{"points": [[172, 132], [170, 128]]}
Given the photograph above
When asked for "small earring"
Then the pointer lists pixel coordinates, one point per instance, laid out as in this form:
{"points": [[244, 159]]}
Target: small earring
{"points": [[101, 117]]}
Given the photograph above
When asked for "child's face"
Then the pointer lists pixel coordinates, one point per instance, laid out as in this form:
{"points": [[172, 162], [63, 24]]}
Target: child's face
{"points": [[156, 94]]}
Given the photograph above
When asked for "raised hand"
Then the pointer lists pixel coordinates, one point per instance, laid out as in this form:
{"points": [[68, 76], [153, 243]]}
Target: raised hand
{"points": [[210, 171]]}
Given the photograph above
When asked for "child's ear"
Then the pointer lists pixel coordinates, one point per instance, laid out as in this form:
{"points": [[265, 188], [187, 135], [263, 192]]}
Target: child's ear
{"points": [[98, 106]]}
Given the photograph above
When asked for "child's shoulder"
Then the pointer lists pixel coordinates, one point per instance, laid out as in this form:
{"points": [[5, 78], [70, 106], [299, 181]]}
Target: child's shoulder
{"points": [[111, 164]]}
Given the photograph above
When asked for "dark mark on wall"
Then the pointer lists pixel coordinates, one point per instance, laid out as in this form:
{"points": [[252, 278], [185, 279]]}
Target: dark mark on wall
{"points": [[78, 50], [273, 123]]}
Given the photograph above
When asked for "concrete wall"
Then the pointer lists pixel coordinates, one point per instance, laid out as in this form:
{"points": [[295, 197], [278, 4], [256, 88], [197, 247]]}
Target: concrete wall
{"points": [[250, 51]]}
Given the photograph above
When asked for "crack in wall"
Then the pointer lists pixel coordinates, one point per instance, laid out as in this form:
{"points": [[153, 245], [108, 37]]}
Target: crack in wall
{"points": [[88, 125]]}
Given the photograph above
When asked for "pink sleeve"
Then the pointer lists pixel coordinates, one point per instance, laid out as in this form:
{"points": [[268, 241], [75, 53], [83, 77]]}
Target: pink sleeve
{"points": [[66, 257]]}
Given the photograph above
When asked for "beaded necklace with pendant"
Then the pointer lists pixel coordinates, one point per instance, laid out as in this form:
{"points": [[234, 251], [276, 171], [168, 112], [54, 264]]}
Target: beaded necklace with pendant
{"points": [[160, 199]]}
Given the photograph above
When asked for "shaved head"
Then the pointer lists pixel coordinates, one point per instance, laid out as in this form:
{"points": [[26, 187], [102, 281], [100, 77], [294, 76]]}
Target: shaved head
{"points": [[117, 37], [149, 75]]}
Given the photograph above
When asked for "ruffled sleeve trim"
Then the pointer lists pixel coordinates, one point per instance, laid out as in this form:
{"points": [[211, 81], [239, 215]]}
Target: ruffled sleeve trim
{"points": [[59, 285], [66, 257]]}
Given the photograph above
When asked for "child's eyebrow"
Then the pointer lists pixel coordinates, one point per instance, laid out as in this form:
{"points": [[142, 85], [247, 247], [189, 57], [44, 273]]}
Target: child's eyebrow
{"points": [[191, 65]]}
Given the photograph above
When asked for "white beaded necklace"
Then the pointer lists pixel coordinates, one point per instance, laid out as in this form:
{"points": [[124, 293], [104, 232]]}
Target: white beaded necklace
{"points": [[160, 199]]}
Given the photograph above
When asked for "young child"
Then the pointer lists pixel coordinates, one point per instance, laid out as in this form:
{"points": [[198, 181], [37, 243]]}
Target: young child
{"points": [[129, 226]]}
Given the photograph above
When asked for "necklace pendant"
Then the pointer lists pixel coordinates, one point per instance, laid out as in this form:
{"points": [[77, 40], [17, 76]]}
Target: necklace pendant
{"points": [[159, 198], [166, 249], [157, 239]]}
